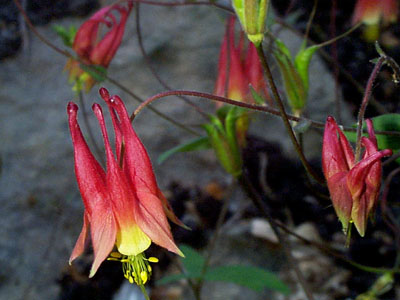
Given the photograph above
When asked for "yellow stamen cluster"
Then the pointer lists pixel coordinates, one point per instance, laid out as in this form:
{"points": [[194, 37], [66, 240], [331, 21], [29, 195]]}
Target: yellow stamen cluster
{"points": [[136, 268]]}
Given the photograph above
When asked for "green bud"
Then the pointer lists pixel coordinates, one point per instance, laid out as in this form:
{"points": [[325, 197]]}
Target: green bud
{"points": [[252, 15]]}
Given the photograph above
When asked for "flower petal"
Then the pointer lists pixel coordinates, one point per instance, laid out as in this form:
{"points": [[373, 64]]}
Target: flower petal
{"points": [[123, 200], [103, 231], [341, 198], [81, 242], [337, 154], [89, 174]]}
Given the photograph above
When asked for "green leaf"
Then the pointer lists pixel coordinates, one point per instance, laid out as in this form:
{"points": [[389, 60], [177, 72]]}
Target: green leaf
{"points": [[257, 98], [387, 122], [302, 126], [251, 277], [193, 261], [302, 63], [67, 35], [192, 145], [173, 278], [97, 72]]}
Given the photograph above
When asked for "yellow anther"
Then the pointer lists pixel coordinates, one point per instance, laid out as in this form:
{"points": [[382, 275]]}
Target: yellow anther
{"points": [[130, 280], [143, 275], [153, 259], [115, 254], [149, 268]]}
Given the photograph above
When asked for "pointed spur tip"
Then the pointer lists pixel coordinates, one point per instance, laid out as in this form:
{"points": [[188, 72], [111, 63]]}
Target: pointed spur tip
{"points": [[104, 94]]}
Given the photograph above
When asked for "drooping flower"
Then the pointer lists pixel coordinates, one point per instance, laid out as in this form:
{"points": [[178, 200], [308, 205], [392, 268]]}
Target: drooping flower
{"points": [[238, 70], [353, 186], [93, 49], [372, 12], [123, 205]]}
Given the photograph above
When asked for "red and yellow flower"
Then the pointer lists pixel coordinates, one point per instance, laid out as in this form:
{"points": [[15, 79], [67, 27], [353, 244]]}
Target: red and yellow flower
{"points": [[373, 12], [238, 70], [93, 49], [124, 208], [353, 186]]}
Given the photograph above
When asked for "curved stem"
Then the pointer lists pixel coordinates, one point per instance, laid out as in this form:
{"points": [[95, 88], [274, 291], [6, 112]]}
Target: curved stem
{"points": [[364, 103], [284, 116], [310, 20], [264, 109], [152, 69]]}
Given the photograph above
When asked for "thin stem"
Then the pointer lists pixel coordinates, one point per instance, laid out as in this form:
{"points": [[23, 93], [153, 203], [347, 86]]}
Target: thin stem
{"points": [[258, 202], [284, 116], [364, 103], [310, 20], [143, 289], [69, 55], [335, 58], [89, 129], [152, 69], [260, 108]]}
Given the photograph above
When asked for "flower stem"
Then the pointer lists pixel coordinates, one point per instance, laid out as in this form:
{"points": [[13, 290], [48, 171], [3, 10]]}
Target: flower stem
{"points": [[284, 115], [254, 107], [143, 289], [364, 103]]}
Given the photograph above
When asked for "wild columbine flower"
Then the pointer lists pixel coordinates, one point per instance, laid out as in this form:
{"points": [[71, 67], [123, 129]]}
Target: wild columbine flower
{"points": [[237, 71], [94, 50], [372, 12], [353, 186], [123, 206]]}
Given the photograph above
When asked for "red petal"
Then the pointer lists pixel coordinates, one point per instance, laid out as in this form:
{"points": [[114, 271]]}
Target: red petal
{"points": [[237, 83], [103, 232], [150, 215], [105, 50], [89, 174], [341, 198], [337, 155], [120, 192], [220, 85], [81, 242]]}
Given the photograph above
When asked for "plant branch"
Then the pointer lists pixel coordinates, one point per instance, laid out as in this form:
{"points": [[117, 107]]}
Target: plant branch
{"points": [[152, 69], [364, 103], [284, 116], [260, 108]]}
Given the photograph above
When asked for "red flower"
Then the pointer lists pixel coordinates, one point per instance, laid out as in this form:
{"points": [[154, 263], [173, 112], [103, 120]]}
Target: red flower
{"points": [[92, 49], [372, 11], [353, 186], [237, 72], [123, 206]]}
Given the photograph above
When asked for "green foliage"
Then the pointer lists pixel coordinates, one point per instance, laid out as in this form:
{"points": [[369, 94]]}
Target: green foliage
{"points": [[99, 73], [256, 97], [201, 143], [248, 276], [222, 131], [67, 35], [294, 86]]}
